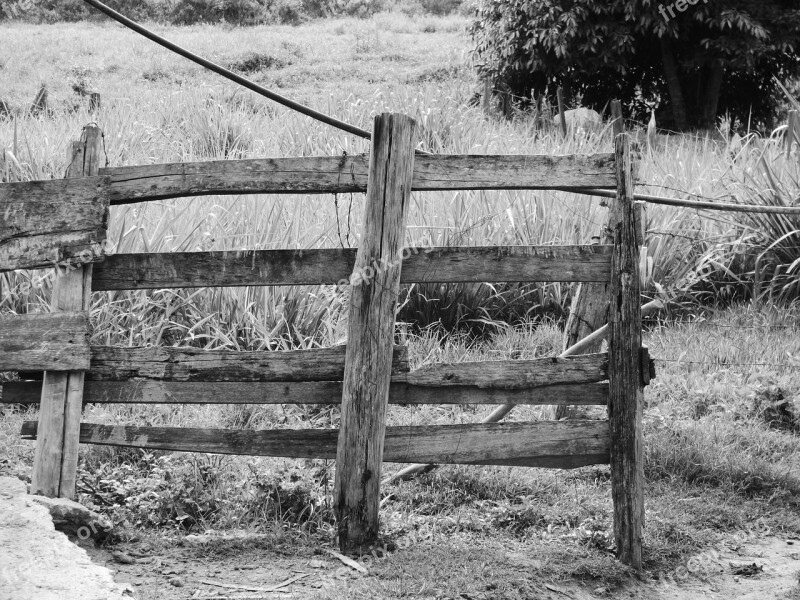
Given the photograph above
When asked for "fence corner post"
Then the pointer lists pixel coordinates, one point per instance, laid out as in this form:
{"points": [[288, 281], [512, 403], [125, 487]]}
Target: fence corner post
{"points": [[56, 459], [368, 360], [626, 392]]}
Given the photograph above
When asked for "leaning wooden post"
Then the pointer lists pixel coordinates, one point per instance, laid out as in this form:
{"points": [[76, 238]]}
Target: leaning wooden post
{"points": [[56, 458], [589, 309], [368, 361], [626, 390]]}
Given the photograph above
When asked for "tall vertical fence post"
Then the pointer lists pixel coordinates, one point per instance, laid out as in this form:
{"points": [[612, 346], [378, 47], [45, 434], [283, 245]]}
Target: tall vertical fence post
{"points": [[626, 389], [56, 458], [368, 361]]}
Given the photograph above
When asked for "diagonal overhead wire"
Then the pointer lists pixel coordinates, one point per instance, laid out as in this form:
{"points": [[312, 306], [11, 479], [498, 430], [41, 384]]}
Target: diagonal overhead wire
{"points": [[228, 74]]}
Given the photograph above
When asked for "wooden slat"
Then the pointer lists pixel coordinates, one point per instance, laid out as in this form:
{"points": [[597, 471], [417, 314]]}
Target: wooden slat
{"points": [[312, 392], [45, 223], [331, 266], [343, 174], [512, 374], [111, 363], [51, 341], [563, 444], [160, 363]]}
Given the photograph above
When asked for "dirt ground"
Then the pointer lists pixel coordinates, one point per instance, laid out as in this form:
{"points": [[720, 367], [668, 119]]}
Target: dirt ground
{"points": [[255, 567]]}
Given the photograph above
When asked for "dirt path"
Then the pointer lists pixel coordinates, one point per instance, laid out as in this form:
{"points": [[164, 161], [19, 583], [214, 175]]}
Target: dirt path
{"points": [[244, 566]]}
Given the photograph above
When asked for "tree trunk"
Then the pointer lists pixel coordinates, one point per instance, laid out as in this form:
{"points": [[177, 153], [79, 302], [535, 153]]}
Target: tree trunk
{"points": [[674, 85], [711, 97]]}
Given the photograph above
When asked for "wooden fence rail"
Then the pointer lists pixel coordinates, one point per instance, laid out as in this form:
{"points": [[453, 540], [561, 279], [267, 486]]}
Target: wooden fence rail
{"points": [[65, 223]]}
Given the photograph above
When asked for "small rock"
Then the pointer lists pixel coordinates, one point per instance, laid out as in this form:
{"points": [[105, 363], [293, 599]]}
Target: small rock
{"points": [[176, 581], [75, 519], [123, 558]]}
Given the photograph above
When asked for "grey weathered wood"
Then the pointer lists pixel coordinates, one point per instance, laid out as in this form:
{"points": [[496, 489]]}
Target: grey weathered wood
{"points": [[112, 363], [334, 265], [370, 332], [56, 458], [625, 377], [343, 174], [543, 444], [302, 392], [48, 223], [512, 374], [616, 115], [161, 363], [561, 115], [53, 341]]}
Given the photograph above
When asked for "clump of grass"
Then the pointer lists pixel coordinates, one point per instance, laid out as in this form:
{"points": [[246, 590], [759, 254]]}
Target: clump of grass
{"points": [[255, 62]]}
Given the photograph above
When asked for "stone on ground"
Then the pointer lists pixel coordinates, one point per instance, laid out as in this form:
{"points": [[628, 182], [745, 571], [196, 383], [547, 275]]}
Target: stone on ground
{"points": [[39, 563]]}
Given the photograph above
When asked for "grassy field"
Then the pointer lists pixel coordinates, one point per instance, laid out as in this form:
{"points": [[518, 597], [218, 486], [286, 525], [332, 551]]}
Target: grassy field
{"points": [[722, 454]]}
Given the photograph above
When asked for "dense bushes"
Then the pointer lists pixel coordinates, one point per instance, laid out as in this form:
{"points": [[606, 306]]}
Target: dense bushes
{"points": [[189, 12]]}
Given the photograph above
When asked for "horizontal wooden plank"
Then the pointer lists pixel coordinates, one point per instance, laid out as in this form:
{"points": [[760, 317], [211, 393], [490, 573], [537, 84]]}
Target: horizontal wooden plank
{"points": [[343, 174], [45, 223], [512, 374], [111, 363], [332, 265], [561, 444], [312, 392], [49, 341]]}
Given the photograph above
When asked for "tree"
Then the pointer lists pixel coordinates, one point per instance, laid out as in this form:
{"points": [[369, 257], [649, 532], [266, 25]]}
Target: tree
{"points": [[697, 58]]}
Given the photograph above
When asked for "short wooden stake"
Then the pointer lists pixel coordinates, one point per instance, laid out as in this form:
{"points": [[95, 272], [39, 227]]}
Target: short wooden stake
{"points": [[792, 130], [94, 102], [562, 116], [616, 114], [625, 376], [368, 360], [56, 458]]}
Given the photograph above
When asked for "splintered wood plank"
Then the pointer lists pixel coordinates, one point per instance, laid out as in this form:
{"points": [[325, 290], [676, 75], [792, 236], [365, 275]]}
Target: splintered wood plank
{"points": [[333, 265], [512, 374], [626, 388], [111, 363], [48, 223], [345, 174], [370, 331], [563, 444], [51, 341], [311, 392]]}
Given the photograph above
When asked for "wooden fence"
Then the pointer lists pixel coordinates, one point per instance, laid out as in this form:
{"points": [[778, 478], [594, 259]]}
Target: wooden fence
{"points": [[65, 222]]}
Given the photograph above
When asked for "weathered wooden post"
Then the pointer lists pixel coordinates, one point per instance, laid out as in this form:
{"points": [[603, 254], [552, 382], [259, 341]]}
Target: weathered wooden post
{"points": [[626, 389], [561, 115], [791, 130], [56, 459], [368, 362]]}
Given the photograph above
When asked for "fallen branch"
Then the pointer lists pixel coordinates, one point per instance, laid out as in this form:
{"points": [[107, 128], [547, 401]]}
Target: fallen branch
{"points": [[247, 588], [348, 561]]}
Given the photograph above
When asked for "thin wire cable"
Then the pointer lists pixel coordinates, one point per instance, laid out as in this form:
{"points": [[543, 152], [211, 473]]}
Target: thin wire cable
{"points": [[724, 364], [219, 70]]}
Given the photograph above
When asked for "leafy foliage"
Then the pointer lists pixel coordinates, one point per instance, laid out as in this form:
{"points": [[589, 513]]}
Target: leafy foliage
{"points": [[725, 53]]}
